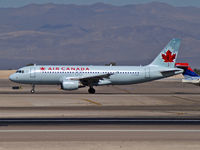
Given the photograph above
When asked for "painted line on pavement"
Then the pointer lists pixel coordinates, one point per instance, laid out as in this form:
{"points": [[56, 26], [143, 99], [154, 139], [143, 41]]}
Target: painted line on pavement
{"points": [[93, 120], [21, 131], [93, 102]]}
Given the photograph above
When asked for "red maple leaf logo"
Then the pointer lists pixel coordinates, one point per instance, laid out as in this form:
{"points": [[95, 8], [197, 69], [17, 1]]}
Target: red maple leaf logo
{"points": [[42, 68], [168, 57]]}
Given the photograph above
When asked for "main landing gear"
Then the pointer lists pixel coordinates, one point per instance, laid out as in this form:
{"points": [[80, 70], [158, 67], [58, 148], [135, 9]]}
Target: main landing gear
{"points": [[91, 90], [33, 88]]}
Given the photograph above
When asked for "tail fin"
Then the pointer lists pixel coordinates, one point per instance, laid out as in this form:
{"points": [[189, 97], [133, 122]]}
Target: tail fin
{"points": [[168, 55], [188, 71]]}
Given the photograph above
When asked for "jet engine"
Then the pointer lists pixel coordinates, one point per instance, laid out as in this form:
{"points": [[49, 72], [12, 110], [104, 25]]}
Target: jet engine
{"points": [[70, 85]]}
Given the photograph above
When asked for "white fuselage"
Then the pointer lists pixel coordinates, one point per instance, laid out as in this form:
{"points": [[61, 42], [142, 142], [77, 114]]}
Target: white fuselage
{"points": [[57, 74]]}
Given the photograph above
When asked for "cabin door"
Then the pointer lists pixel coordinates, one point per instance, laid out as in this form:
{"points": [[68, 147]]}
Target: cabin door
{"points": [[32, 72]]}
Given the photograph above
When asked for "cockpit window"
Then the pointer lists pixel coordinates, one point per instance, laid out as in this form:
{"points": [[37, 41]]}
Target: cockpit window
{"points": [[20, 71]]}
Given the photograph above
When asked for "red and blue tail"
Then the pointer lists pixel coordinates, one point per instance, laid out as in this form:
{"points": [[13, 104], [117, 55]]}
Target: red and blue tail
{"points": [[188, 71]]}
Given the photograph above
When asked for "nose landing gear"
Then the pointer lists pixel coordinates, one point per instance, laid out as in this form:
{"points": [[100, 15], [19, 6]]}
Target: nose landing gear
{"points": [[91, 90], [33, 88]]}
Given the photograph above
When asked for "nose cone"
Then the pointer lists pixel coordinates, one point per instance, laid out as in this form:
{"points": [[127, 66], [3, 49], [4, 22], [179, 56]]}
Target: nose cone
{"points": [[12, 77]]}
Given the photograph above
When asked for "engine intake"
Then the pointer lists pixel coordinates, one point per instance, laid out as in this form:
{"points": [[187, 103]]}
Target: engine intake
{"points": [[70, 85]]}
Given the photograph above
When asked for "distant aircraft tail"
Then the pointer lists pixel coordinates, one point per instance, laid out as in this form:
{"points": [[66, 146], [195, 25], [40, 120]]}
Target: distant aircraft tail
{"points": [[188, 71], [168, 55]]}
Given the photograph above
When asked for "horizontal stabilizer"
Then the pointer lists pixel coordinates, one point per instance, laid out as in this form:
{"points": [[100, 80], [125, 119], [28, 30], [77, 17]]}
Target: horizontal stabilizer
{"points": [[168, 73]]}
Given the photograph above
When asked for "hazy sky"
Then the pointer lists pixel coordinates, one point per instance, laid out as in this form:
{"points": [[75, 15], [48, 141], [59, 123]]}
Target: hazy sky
{"points": [[18, 3]]}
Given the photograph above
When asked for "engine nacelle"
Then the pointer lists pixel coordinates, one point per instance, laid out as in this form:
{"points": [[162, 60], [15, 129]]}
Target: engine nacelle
{"points": [[70, 85]]}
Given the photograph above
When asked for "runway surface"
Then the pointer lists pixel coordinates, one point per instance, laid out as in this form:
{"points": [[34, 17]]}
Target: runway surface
{"points": [[125, 137], [153, 99], [157, 115]]}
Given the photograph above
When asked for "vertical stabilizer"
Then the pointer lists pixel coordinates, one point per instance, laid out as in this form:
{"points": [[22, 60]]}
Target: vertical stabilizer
{"points": [[168, 55]]}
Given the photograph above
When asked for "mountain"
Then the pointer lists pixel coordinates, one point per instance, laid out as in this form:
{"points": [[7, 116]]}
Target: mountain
{"points": [[96, 34]]}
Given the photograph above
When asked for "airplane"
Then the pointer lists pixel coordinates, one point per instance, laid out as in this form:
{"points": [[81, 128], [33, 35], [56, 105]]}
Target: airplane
{"points": [[74, 77], [189, 75]]}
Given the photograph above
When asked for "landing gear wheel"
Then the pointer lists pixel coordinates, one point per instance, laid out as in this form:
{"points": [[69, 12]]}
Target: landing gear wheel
{"points": [[33, 89], [91, 90]]}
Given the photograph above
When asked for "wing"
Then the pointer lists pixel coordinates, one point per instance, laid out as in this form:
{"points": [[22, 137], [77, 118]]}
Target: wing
{"points": [[92, 80]]}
